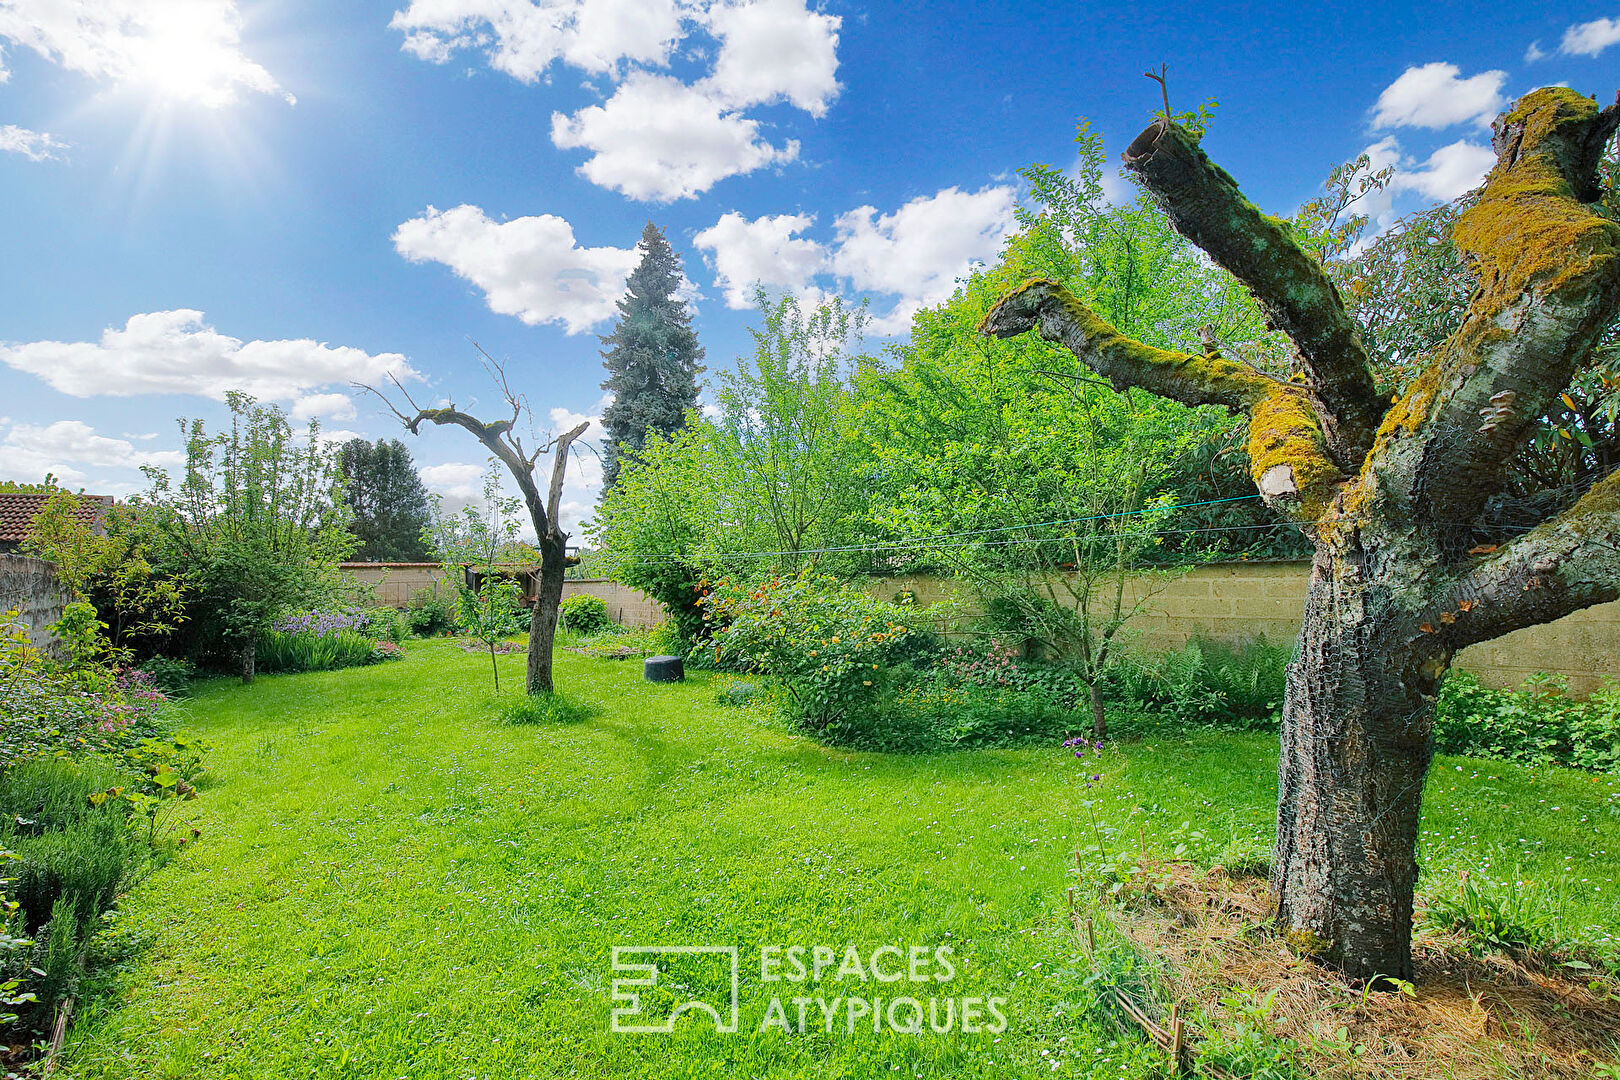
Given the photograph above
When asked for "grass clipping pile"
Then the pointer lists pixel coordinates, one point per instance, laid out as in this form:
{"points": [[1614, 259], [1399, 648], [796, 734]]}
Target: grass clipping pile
{"points": [[1208, 939]]}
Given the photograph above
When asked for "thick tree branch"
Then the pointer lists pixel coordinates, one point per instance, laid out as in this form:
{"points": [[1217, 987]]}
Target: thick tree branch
{"points": [[1288, 455], [1548, 265], [1569, 563], [1205, 205], [559, 466]]}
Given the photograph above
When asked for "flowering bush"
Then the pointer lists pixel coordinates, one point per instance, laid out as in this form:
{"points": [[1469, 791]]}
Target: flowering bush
{"points": [[830, 648], [46, 708], [322, 623]]}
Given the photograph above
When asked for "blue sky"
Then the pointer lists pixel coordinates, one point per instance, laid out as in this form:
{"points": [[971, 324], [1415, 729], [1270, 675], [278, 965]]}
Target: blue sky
{"points": [[287, 195]]}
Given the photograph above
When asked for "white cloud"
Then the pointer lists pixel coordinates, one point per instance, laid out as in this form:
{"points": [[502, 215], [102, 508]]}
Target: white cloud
{"points": [[766, 251], [658, 139], [188, 50], [525, 37], [775, 50], [67, 448], [915, 254], [1590, 38], [1449, 172], [177, 352], [1435, 96], [455, 479], [1534, 53], [918, 252], [325, 406], [33, 145], [529, 267]]}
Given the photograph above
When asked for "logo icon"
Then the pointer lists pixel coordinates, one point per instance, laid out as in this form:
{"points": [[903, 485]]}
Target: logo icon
{"points": [[642, 981]]}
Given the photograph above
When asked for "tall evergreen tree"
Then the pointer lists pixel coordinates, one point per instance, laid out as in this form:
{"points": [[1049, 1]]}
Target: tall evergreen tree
{"points": [[390, 504], [652, 357]]}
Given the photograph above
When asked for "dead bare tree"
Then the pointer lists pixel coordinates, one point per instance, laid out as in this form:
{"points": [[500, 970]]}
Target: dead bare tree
{"points": [[500, 438], [1389, 492]]}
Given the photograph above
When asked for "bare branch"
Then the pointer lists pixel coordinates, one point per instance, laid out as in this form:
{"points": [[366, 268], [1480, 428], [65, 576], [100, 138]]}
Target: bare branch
{"points": [[1204, 204], [559, 466]]}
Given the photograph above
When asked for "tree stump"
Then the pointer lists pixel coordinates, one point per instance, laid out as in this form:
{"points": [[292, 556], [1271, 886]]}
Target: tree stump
{"points": [[663, 669]]}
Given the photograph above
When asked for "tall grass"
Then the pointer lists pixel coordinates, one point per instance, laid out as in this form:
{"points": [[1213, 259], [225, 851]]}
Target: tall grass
{"points": [[304, 650]]}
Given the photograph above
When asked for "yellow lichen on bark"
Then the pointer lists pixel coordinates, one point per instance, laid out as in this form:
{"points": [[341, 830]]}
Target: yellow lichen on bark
{"points": [[1284, 433], [1528, 231]]}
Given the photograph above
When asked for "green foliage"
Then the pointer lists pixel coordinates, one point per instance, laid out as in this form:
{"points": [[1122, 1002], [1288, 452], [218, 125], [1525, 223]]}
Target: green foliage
{"points": [[430, 615], [1208, 682], [653, 358], [112, 567], [1539, 723], [390, 504], [170, 676], [1513, 916], [282, 651], [584, 614], [552, 708], [830, 648], [255, 526], [475, 541]]}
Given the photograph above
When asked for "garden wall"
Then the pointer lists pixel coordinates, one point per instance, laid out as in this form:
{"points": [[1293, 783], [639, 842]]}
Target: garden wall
{"points": [[1230, 602], [397, 583], [31, 586], [1234, 602]]}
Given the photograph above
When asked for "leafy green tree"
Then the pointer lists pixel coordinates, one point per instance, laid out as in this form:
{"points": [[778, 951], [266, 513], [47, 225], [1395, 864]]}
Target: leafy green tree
{"points": [[389, 502], [255, 525], [653, 358], [475, 540], [113, 568], [1045, 487], [788, 461], [653, 525]]}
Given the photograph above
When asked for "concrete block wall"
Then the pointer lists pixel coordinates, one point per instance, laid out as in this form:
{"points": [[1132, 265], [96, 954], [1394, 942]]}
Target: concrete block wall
{"points": [[1236, 602], [398, 583], [1231, 602], [31, 587]]}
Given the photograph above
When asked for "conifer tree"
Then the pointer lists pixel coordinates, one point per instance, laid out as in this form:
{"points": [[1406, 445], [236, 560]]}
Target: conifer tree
{"points": [[652, 357]]}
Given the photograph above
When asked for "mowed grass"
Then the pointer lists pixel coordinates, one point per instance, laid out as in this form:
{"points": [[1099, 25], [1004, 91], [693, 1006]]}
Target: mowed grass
{"points": [[392, 882]]}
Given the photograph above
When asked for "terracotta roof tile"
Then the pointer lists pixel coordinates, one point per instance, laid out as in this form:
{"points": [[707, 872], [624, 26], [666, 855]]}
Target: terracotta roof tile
{"points": [[17, 512]]}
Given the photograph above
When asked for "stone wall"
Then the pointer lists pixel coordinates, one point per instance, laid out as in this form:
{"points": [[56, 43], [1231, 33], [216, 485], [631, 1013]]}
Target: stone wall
{"points": [[31, 586]]}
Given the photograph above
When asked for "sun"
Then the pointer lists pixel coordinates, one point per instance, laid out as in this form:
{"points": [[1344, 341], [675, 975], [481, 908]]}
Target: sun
{"points": [[189, 53]]}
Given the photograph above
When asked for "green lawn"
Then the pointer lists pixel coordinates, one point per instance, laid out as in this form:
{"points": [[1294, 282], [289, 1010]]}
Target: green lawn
{"points": [[391, 882]]}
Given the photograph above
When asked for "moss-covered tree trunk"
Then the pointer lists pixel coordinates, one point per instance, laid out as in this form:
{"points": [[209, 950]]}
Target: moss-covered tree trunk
{"points": [[1394, 494]]}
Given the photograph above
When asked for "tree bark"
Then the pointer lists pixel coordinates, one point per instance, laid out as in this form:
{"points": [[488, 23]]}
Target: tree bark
{"points": [[547, 606], [1356, 743], [1099, 716], [250, 655]]}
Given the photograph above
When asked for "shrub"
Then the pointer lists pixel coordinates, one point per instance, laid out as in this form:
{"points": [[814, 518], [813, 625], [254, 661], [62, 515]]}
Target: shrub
{"points": [[932, 712], [430, 615], [1539, 723], [1207, 682], [87, 863], [831, 649], [585, 615], [168, 675]]}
